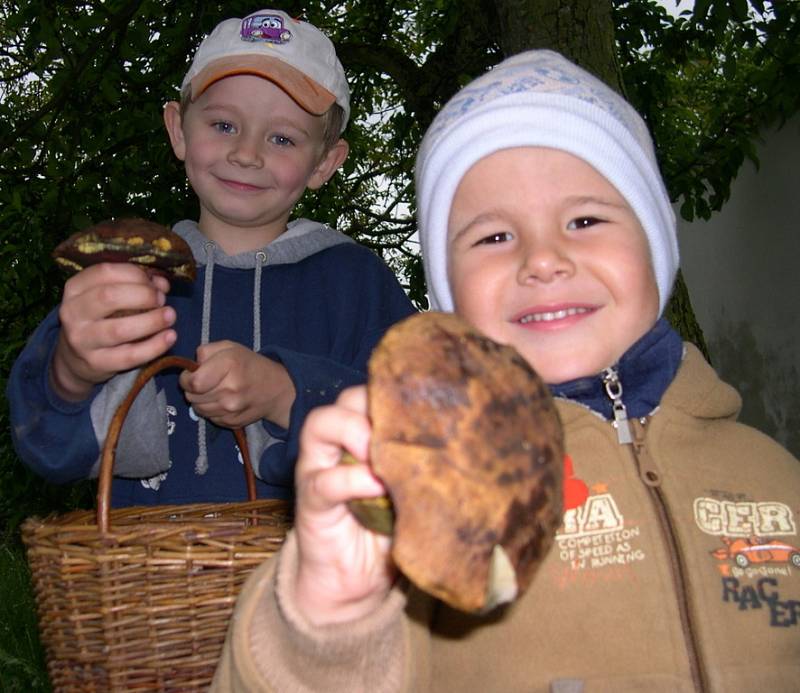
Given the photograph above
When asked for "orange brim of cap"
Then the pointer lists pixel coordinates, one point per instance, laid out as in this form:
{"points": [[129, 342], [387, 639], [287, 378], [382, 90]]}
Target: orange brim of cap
{"points": [[308, 94]]}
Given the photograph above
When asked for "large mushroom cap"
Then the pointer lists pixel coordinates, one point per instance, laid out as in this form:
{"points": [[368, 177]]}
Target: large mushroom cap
{"points": [[145, 243], [467, 441]]}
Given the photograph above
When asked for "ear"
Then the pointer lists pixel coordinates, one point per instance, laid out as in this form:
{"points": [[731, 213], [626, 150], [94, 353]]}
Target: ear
{"points": [[174, 125], [331, 160]]}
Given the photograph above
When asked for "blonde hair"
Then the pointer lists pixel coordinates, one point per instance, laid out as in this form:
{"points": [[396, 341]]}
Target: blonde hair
{"points": [[333, 119]]}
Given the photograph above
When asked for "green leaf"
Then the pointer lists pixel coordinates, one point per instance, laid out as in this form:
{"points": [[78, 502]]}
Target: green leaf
{"points": [[701, 9], [740, 9], [729, 67], [110, 91], [687, 210]]}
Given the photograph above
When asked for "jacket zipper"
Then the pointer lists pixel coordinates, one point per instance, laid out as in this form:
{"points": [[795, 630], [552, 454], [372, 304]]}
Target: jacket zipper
{"points": [[631, 433]]}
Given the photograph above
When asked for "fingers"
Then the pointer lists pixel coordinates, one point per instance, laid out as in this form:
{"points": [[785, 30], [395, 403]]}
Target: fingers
{"points": [[223, 388], [104, 289], [131, 354], [344, 570], [234, 386], [109, 274], [85, 333], [200, 385], [94, 343], [354, 399], [208, 351], [330, 487], [327, 430], [160, 282], [322, 482], [217, 360], [74, 369]]}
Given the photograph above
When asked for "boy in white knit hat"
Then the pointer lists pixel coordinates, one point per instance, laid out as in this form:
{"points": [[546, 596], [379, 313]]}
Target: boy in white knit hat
{"points": [[545, 222], [282, 316]]}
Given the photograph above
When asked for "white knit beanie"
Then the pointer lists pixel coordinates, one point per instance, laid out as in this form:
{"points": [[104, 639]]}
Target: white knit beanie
{"points": [[539, 98]]}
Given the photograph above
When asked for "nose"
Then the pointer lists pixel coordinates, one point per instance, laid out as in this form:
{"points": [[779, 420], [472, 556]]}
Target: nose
{"points": [[245, 152], [545, 259]]}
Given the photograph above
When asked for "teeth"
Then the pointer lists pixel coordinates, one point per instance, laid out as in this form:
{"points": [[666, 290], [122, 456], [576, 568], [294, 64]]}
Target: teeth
{"points": [[554, 315]]}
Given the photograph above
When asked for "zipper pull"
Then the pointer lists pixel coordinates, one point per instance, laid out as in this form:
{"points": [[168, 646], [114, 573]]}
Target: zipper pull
{"points": [[614, 392]]}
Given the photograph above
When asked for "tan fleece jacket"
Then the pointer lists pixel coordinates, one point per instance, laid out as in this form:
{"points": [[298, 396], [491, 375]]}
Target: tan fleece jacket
{"points": [[679, 571]]}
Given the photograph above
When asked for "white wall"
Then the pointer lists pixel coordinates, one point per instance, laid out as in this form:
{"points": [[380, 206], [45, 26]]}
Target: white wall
{"points": [[742, 268]]}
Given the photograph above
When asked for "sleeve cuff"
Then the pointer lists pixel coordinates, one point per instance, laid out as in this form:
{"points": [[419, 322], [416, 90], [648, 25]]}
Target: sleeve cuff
{"points": [[275, 648], [62, 406]]}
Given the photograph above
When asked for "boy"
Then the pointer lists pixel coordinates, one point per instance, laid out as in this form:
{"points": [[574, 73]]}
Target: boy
{"points": [[282, 316], [545, 223]]}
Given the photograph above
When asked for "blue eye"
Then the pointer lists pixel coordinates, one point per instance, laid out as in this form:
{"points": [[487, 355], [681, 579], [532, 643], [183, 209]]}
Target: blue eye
{"points": [[281, 141], [583, 223], [224, 127]]}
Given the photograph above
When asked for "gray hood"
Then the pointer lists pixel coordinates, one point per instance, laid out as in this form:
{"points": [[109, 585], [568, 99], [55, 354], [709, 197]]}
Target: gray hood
{"points": [[301, 239]]}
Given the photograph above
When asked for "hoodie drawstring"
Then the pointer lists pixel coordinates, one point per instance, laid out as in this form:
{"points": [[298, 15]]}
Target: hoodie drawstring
{"points": [[261, 260], [201, 463]]}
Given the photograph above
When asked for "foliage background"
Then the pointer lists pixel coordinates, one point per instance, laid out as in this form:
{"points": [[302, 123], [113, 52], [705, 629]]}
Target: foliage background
{"points": [[82, 86]]}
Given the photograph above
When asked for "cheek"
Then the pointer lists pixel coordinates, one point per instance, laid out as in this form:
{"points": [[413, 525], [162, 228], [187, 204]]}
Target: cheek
{"points": [[458, 276], [474, 288], [643, 284], [292, 172], [198, 153], [628, 270], [636, 296], [650, 300]]}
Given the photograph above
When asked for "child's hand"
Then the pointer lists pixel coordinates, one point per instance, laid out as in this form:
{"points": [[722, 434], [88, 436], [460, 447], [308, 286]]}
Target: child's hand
{"points": [[95, 342], [344, 570], [234, 386]]}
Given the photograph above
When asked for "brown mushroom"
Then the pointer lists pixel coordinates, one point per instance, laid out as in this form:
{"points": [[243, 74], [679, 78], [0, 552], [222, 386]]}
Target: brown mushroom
{"points": [[469, 445], [152, 246]]}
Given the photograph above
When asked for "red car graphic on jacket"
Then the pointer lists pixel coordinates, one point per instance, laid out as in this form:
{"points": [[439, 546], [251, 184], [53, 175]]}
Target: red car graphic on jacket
{"points": [[757, 550]]}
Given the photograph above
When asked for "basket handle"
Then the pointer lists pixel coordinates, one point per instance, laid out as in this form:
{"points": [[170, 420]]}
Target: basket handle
{"points": [[110, 447]]}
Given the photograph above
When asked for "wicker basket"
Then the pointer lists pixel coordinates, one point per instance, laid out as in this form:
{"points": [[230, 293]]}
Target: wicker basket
{"points": [[138, 599]]}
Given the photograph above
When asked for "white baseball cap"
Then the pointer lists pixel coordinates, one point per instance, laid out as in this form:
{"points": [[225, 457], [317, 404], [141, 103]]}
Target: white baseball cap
{"points": [[293, 54]]}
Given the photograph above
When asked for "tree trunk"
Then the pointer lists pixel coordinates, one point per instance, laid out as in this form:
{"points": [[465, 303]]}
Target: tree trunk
{"points": [[681, 315], [583, 30]]}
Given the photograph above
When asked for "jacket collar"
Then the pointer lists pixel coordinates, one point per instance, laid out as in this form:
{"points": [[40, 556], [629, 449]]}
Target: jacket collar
{"points": [[645, 372]]}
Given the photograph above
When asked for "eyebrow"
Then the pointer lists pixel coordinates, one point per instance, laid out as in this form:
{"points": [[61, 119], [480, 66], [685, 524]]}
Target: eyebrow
{"points": [[590, 199], [574, 201], [215, 106], [482, 218]]}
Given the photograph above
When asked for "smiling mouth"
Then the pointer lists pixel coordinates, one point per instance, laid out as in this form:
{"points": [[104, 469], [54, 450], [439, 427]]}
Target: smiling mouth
{"points": [[550, 316], [240, 185]]}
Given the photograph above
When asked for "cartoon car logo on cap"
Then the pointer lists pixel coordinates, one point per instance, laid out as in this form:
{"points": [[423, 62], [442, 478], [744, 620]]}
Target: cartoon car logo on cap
{"points": [[757, 550], [265, 27]]}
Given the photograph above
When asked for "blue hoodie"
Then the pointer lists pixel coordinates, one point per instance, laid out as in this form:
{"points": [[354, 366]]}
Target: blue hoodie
{"points": [[312, 300]]}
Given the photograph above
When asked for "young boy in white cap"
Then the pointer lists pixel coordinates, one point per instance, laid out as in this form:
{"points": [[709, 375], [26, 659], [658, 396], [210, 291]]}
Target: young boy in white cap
{"points": [[282, 316], [545, 223]]}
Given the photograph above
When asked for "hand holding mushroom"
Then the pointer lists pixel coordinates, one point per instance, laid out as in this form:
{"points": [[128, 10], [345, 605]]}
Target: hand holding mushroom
{"points": [[112, 313], [468, 446]]}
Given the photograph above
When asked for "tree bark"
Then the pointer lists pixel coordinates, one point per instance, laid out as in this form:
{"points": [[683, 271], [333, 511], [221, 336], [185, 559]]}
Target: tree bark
{"points": [[582, 30], [681, 316]]}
